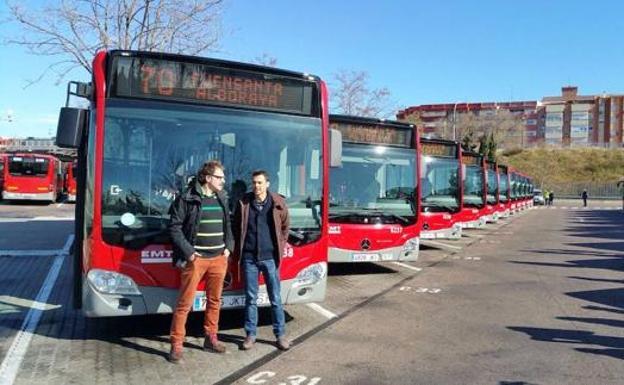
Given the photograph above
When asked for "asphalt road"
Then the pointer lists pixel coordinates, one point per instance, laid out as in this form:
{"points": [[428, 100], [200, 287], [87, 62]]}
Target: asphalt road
{"points": [[534, 300]]}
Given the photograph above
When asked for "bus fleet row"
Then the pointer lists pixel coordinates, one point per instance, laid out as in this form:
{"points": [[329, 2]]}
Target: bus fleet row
{"points": [[358, 189], [36, 177]]}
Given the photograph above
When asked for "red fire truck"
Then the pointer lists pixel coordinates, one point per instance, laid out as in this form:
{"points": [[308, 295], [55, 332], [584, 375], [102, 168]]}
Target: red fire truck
{"points": [[373, 206], [154, 118]]}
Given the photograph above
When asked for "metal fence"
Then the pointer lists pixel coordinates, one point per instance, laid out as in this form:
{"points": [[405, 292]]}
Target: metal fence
{"points": [[594, 190]]}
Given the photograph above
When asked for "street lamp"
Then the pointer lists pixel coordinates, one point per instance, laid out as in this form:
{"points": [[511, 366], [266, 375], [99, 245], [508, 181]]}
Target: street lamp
{"points": [[455, 120]]}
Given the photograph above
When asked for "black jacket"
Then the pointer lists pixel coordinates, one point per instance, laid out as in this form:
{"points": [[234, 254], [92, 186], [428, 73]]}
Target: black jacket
{"points": [[184, 217]]}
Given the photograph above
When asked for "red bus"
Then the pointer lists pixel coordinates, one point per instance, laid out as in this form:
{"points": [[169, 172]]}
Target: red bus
{"points": [[493, 210], [504, 191], [70, 181], [373, 198], [37, 177], [514, 186], [154, 119], [440, 188], [3, 160], [473, 214]]}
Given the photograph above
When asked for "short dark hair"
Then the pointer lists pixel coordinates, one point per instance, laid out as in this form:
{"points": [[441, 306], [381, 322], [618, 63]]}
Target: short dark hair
{"points": [[208, 168], [260, 172]]}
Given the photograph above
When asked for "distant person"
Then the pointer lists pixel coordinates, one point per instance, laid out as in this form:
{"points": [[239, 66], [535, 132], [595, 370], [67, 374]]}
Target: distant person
{"points": [[551, 198], [546, 196], [620, 184], [584, 197]]}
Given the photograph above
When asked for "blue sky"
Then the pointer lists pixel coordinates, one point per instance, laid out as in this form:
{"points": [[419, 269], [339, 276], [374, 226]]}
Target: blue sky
{"points": [[423, 51]]}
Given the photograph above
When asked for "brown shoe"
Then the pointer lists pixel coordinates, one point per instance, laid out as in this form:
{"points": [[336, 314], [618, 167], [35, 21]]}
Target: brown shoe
{"points": [[249, 342], [282, 343], [212, 343], [175, 354]]}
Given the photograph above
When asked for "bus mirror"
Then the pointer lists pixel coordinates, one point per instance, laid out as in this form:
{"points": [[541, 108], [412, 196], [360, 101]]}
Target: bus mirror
{"points": [[71, 124], [463, 172], [335, 148]]}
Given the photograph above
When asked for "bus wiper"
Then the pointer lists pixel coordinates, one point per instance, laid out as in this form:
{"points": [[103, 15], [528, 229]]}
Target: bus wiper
{"points": [[297, 235], [433, 204], [145, 235], [344, 214], [387, 215]]}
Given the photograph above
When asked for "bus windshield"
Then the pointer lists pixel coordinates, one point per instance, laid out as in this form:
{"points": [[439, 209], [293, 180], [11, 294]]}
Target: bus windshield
{"points": [[375, 178], [439, 185], [152, 149], [492, 185], [504, 187], [28, 166], [473, 186]]}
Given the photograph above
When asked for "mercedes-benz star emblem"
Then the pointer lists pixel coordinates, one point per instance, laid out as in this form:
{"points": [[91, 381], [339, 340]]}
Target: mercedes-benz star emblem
{"points": [[365, 244]]}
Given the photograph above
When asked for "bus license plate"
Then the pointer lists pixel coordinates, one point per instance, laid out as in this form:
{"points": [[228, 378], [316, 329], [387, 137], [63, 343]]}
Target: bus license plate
{"points": [[228, 301], [365, 257]]}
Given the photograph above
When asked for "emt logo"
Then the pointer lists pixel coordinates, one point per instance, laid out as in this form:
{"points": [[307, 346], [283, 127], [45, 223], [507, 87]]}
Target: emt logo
{"points": [[156, 254]]}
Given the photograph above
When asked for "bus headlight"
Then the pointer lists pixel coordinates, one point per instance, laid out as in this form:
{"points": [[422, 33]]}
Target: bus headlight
{"points": [[412, 244], [311, 275], [110, 282]]}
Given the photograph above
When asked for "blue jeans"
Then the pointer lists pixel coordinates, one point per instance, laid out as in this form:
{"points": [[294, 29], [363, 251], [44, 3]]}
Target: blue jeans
{"points": [[252, 269]]}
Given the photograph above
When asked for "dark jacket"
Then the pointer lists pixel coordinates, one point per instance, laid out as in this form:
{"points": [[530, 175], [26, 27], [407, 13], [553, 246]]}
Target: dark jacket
{"points": [[281, 221], [185, 214], [260, 239]]}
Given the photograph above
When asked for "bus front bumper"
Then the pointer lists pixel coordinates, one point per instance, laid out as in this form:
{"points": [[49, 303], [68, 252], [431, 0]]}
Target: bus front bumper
{"points": [[153, 300], [476, 224], [454, 232], [49, 196], [398, 253]]}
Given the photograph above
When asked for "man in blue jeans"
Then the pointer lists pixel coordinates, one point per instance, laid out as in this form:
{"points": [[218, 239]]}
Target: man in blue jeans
{"points": [[260, 227]]}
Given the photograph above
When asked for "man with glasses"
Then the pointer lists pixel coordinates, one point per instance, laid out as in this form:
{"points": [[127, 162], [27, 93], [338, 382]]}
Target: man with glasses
{"points": [[202, 240]]}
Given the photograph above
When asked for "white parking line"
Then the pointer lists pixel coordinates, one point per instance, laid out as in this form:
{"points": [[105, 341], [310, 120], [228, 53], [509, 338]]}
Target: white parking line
{"points": [[440, 244], [405, 265], [321, 310], [53, 219], [26, 253], [23, 302], [15, 355], [21, 220]]}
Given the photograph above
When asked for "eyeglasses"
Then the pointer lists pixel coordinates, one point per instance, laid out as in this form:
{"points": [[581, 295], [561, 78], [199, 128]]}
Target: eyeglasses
{"points": [[221, 177]]}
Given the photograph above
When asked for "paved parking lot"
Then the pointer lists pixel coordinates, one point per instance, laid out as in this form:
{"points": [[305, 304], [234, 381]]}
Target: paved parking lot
{"points": [[375, 315]]}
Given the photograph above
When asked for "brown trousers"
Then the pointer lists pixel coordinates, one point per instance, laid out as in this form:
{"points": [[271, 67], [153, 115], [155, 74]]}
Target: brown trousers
{"points": [[212, 271]]}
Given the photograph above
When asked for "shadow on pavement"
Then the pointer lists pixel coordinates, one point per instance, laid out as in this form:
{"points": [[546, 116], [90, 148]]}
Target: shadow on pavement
{"points": [[605, 255], [359, 268], [613, 346]]}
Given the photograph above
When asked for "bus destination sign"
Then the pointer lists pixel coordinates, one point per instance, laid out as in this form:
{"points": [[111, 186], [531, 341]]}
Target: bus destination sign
{"points": [[439, 149], [374, 134], [173, 80], [471, 160]]}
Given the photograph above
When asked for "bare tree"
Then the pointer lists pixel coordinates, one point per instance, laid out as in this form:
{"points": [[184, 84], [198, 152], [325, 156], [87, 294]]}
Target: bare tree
{"points": [[71, 31], [266, 60], [501, 128], [352, 96]]}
